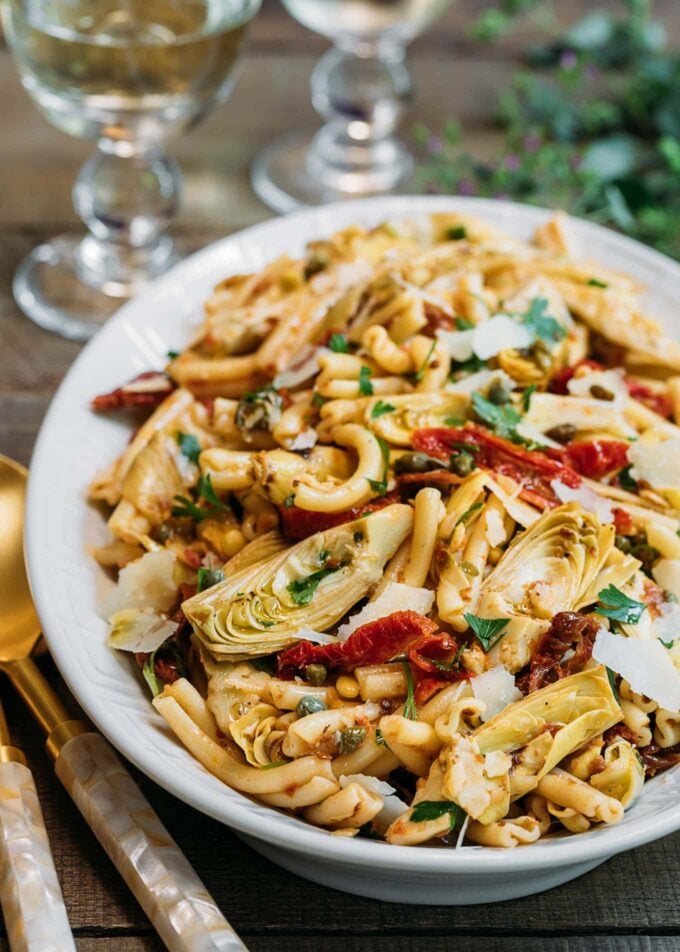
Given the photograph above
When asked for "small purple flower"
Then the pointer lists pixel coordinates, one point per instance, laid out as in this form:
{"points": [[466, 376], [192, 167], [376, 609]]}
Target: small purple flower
{"points": [[434, 144], [568, 60], [466, 187], [511, 162], [531, 144]]}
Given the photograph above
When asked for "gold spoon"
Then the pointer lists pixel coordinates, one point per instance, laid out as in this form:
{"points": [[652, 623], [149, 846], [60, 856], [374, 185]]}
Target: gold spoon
{"points": [[167, 888]]}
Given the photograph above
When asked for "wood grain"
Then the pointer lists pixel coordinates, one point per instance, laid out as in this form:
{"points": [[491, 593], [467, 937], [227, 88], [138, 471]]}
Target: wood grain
{"points": [[632, 903]]}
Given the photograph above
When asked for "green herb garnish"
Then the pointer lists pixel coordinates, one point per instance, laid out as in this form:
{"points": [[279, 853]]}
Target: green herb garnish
{"points": [[208, 577], [463, 324], [365, 385], [527, 395], [456, 233], [379, 408], [380, 738], [461, 520], [626, 480], [595, 283], [189, 446], [420, 372], [338, 343], [289, 501], [487, 631], [541, 324], [204, 489], [150, 676], [173, 354], [410, 708], [503, 420], [611, 677], [433, 809], [614, 604], [302, 590]]}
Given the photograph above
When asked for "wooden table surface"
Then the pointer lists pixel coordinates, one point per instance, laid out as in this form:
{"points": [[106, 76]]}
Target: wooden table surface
{"points": [[631, 902]]}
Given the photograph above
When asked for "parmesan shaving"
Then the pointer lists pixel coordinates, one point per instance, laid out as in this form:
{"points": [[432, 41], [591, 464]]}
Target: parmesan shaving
{"points": [[666, 573], [318, 637], [459, 343], [667, 624], [611, 380], [134, 630], [396, 597], [496, 688], [296, 375], [646, 665], [305, 440], [147, 584], [586, 498], [497, 334], [481, 381], [656, 463], [495, 530]]}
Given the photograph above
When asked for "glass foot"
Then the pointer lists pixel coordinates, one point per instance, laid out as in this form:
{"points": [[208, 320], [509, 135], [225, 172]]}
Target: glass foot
{"points": [[290, 174], [56, 284]]}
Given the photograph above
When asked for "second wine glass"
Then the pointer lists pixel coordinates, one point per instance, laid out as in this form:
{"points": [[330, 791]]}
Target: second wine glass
{"points": [[360, 87]]}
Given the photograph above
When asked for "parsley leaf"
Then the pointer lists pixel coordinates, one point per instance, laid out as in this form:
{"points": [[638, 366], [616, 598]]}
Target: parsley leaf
{"points": [[420, 372], [338, 343], [150, 676], [454, 421], [502, 419], [410, 709], [595, 283], [208, 577], [189, 446], [456, 233], [379, 486], [626, 480], [612, 603], [365, 385], [173, 354], [318, 400], [379, 408], [527, 395], [433, 809], [205, 489], [463, 324], [487, 631], [302, 590], [611, 677], [543, 326], [468, 512], [188, 507], [469, 366], [380, 738]]}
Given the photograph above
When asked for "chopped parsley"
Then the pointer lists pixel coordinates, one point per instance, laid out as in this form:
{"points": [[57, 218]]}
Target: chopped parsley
{"points": [[150, 676], [611, 677], [614, 604], [433, 809], [487, 631], [380, 407], [173, 354], [365, 385], [456, 233], [379, 486], [318, 400], [527, 395], [410, 708], [189, 446], [204, 489], [541, 324], [454, 421], [503, 420], [338, 343], [626, 481], [289, 501], [420, 372], [302, 590], [461, 520], [463, 324], [209, 577], [469, 366], [596, 283]]}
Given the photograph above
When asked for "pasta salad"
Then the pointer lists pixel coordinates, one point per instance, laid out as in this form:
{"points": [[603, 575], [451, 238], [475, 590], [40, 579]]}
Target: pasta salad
{"points": [[396, 541]]}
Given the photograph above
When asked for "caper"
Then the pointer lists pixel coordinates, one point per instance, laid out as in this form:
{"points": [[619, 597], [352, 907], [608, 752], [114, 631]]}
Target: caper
{"points": [[316, 673], [498, 393], [310, 704], [647, 554], [462, 464], [416, 463], [601, 393], [469, 569], [541, 355], [317, 262], [564, 433], [351, 739], [623, 543]]}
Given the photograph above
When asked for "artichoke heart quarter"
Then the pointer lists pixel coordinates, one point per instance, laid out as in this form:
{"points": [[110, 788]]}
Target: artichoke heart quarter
{"points": [[262, 607]]}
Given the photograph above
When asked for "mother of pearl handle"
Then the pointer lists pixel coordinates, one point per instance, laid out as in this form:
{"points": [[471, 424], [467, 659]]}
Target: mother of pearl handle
{"points": [[32, 903], [179, 906]]}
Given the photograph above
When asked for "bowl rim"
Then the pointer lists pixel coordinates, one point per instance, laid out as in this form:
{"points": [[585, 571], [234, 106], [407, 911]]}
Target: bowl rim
{"points": [[297, 836]]}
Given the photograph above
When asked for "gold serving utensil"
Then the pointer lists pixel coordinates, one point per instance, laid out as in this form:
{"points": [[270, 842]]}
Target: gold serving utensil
{"points": [[153, 866], [32, 903]]}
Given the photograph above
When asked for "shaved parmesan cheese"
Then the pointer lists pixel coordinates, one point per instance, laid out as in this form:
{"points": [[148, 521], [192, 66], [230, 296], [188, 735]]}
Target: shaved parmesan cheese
{"points": [[667, 625], [304, 440], [586, 498], [496, 688], [656, 463], [372, 784], [499, 333], [611, 380], [147, 584], [459, 343], [481, 381], [646, 665], [495, 530], [516, 508], [134, 630], [301, 372], [666, 573], [318, 637], [397, 597], [547, 410]]}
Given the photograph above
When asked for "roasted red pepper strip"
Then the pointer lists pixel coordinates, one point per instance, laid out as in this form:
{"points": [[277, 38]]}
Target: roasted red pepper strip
{"points": [[534, 471], [596, 458], [299, 523], [373, 643], [147, 390]]}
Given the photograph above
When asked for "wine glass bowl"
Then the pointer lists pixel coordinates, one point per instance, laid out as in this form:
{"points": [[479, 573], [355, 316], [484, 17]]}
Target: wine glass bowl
{"points": [[131, 75], [360, 87]]}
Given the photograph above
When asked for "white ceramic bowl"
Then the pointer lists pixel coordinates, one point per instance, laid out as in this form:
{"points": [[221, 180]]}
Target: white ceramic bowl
{"points": [[74, 443]]}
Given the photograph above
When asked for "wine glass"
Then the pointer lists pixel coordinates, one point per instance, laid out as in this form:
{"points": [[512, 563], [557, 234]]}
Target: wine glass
{"points": [[360, 87], [130, 74]]}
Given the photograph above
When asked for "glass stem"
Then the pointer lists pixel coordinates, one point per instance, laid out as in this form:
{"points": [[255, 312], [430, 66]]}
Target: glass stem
{"points": [[127, 202], [361, 91]]}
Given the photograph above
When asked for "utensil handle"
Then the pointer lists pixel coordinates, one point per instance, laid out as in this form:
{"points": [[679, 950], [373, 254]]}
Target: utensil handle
{"points": [[179, 906], [32, 903]]}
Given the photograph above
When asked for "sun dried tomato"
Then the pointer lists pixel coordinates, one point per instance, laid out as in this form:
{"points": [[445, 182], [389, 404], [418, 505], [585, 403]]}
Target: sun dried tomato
{"points": [[137, 393], [374, 643], [596, 458], [658, 402], [559, 382], [657, 758], [568, 630], [431, 651], [533, 470], [299, 523], [623, 522]]}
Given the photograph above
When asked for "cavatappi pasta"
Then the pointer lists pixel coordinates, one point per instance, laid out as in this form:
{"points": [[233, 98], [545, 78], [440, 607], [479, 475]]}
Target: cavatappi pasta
{"points": [[397, 540]]}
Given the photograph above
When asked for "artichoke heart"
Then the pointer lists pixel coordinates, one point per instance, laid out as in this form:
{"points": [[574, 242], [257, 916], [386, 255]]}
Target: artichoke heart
{"points": [[575, 710], [261, 608], [545, 570], [413, 411]]}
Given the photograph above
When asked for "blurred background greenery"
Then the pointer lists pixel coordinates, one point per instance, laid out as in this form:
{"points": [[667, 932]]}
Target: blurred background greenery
{"points": [[591, 123]]}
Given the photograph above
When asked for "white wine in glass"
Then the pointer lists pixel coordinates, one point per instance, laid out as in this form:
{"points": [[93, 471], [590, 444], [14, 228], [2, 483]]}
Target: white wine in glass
{"points": [[130, 74], [360, 88]]}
